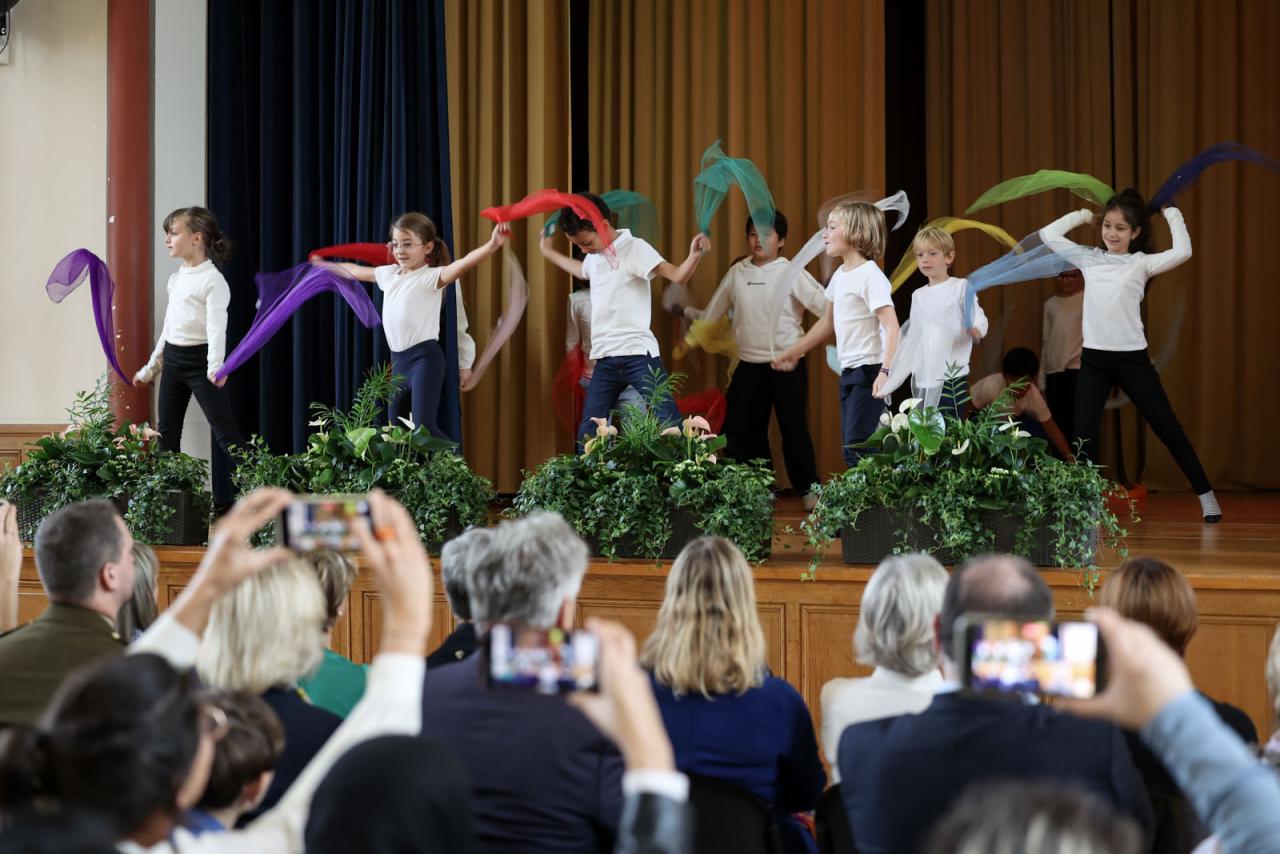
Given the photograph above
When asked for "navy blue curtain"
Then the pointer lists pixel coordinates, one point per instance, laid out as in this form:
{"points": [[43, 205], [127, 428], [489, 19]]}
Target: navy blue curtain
{"points": [[326, 119]]}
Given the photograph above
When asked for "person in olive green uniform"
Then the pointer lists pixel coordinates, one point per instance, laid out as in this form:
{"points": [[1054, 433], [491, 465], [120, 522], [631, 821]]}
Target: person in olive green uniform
{"points": [[84, 554]]}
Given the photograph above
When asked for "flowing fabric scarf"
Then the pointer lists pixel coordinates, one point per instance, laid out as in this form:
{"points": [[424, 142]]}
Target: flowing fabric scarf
{"points": [[68, 275]]}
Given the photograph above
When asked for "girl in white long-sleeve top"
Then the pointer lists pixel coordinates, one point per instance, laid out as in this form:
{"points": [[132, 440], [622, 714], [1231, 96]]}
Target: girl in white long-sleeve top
{"points": [[193, 341], [1115, 346]]}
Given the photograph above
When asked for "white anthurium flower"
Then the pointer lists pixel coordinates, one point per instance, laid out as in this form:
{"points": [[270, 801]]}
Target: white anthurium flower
{"points": [[1021, 434], [885, 418], [960, 449], [1008, 425], [899, 422], [319, 422], [408, 422], [910, 403]]}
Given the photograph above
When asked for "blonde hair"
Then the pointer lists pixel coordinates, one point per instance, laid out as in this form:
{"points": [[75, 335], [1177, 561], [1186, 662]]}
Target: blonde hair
{"points": [[1273, 672], [266, 633], [862, 225], [935, 237], [140, 611], [336, 573], [708, 639]]}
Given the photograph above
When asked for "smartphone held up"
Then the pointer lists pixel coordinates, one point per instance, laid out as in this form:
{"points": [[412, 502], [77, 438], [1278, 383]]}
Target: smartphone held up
{"points": [[1008, 656], [542, 661], [321, 521]]}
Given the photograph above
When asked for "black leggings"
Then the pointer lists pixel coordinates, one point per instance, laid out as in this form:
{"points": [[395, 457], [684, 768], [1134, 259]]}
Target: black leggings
{"points": [[422, 367], [1137, 377], [185, 373]]}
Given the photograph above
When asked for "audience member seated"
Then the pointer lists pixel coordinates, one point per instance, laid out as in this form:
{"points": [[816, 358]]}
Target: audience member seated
{"points": [[84, 554], [131, 738], [1028, 406], [456, 559], [338, 683], [10, 566], [1150, 591], [543, 778], [249, 741], [140, 611], [1149, 690], [900, 775], [263, 638], [895, 635], [51, 829], [1271, 750], [1036, 818], [727, 717]]}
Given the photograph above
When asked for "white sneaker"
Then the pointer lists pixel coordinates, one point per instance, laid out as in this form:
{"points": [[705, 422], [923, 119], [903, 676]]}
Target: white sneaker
{"points": [[1209, 507]]}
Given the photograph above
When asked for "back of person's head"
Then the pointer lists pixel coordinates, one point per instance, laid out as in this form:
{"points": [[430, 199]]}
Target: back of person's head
{"points": [[336, 573], [249, 749], [56, 829], [708, 638], [266, 633], [993, 584], [532, 568], [1023, 817], [862, 225], [896, 617], [72, 546], [119, 737], [570, 223], [397, 794], [1020, 363], [1150, 591], [779, 225], [140, 611], [457, 558], [935, 238], [1133, 208]]}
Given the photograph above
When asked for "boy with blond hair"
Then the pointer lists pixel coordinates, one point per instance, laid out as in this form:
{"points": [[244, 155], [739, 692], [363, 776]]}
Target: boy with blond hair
{"points": [[862, 317]]}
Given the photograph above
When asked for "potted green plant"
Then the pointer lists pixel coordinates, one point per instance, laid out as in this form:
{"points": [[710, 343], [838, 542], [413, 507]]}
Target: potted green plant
{"points": [[161, 494], [957, 488], [353, 451], [645, 490]]}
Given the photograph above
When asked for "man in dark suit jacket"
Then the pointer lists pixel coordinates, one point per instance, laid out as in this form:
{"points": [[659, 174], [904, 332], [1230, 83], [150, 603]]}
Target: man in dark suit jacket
{"points": [[543, 778], [900, 775], [456, 559], [84, 554]]}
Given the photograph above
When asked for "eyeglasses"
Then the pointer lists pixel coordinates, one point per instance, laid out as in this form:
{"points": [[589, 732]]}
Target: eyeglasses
{"points": [[405, 244], [213, 722]]}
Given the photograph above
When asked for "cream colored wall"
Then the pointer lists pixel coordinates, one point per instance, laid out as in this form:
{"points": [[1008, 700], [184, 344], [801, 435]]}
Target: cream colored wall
{"points": [[53, 168]]}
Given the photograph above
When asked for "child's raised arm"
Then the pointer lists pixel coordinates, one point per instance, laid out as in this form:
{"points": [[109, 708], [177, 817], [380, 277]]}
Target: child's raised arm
{"points": [[359, 272], [570, 265], [1055, 233], [453, 272], [1176, 254], [700, 245]]}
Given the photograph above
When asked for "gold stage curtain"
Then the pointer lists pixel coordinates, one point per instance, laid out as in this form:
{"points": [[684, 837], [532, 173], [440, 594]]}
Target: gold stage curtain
{"points": [[1126, 91], [797, 87], [508, 67]]}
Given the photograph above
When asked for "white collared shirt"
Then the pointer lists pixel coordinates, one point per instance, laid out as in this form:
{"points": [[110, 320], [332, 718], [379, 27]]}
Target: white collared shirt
{"points": [[884, 694]]}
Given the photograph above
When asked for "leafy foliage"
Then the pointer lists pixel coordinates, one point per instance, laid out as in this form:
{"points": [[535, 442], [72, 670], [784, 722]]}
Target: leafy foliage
{"points": [[954, 475], [624, 486]]}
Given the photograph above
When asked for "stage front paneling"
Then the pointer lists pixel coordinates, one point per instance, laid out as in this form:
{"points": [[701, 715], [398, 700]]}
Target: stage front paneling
{"points": [[809, 625]]}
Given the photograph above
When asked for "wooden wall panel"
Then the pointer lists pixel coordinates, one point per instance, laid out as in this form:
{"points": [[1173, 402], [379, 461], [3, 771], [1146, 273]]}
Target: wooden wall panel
{"points": [[16, 441]]}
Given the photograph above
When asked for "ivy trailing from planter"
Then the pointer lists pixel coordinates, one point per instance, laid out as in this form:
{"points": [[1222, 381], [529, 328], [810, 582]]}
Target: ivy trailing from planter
{"points": [[620, 493], [353, 451], [956, 477]]}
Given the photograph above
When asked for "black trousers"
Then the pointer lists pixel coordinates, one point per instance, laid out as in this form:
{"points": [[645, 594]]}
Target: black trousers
{"points": [[185, 374], [754, 393], [1137, 377], [1060, 394]]}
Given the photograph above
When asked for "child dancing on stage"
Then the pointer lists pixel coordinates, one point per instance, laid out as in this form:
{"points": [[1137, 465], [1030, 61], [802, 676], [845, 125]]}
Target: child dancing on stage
{"points": [[861, 307], [757, 389], [1060, 347], [623, 347], [1115, 346], [413, 292], [193, 339]]}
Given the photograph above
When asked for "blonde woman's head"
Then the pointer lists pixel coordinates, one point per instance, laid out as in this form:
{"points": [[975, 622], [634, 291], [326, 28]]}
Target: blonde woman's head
{"points": [[708, 639], [266, 633]]}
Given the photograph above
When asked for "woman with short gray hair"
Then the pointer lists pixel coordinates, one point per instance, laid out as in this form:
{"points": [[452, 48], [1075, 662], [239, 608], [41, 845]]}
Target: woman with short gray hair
{"points": [[895, 635]]}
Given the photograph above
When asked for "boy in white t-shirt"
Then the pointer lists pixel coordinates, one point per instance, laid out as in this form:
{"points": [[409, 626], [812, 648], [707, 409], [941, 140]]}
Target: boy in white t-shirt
{"points": [[1028, 405], [861, 306], [623, 347], [766, 322]]}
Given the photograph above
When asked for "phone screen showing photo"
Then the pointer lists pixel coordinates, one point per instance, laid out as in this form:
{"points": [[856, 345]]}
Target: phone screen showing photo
{"points": [[1006, 656], [543, 661]]}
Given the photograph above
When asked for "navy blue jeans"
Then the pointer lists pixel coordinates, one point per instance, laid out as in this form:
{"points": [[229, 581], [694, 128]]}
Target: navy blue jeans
{"points": [[859, 411], [612, 374], [422, 367]]}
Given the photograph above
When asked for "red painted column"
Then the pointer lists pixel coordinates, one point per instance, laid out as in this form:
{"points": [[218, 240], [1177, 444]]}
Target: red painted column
{"points": [[131, 227]]}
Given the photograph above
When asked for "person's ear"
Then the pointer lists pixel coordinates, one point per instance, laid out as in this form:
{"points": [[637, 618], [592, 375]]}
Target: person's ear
{"points": [[255, 790]]}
